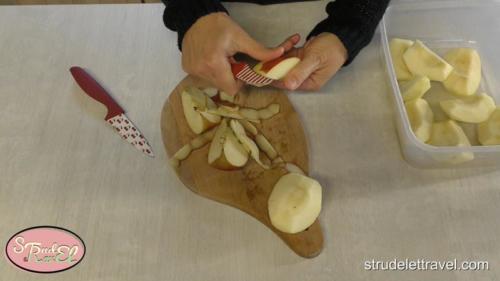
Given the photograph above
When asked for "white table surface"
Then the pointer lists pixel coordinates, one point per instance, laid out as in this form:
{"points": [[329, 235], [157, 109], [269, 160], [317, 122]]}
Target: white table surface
{"points": [[61, 165]]}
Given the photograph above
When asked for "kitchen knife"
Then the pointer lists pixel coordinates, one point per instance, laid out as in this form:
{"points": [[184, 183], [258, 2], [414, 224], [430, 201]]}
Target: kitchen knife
{"points": [[116, 115]]}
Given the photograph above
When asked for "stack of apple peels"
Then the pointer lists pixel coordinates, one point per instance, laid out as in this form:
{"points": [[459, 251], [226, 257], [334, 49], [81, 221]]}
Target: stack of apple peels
{"points": [[295, 201], [459, 71]]}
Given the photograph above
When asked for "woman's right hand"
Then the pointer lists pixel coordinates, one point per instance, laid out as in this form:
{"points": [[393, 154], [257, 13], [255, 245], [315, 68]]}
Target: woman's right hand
{"points": [[211, 42]]}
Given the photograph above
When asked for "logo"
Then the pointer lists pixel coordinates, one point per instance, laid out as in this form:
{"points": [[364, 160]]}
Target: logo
{"points": [[45, 249]]}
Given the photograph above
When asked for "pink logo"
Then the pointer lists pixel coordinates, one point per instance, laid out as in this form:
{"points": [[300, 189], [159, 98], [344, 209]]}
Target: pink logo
{"points": [[45, 249]]}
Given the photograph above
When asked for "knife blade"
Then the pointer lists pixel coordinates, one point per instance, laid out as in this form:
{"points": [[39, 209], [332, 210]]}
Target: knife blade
{"points": [[243, 72], [116, 115]]}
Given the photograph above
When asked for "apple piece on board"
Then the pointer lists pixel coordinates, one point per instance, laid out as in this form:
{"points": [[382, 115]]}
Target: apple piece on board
{"points": [[489, 131], [415, 88], [449, 133], [226, 152], [294, 203], [421, 117], [421, 60], [210, 91], [247, 142], [398, 47], [193, 100], [278, 68], [474, 109], [465, 78]]}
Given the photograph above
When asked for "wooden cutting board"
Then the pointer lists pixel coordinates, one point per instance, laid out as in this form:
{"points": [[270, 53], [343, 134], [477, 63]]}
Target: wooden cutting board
{"points": [[247, 189]]}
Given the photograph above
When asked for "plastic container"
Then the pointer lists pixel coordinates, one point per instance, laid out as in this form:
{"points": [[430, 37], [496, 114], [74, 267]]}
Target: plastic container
{"points": [[443, 25]]}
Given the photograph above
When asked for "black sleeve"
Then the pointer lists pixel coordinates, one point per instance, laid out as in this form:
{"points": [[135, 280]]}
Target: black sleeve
{"points": [[353, 21], [179, 15]]}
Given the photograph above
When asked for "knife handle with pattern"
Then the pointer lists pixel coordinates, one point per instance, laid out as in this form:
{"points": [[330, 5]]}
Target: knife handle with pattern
{"points": [[94, 90]]}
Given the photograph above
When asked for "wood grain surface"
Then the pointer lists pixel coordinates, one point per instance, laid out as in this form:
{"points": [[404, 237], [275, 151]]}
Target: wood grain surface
{"points": [[247, 189]]}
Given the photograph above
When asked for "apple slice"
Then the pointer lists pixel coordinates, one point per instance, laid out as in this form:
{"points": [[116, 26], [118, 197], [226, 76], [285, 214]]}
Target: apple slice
{"points": [[420, 60], [475, 109], [421, 117], [193, 100], [226, 152], [226, 97], [194, 144], [294, 203], [449, 133], [248, 143], [465, 78], [277, 68], [415, 88], [398, 48], [211, 92], [489, 132]]}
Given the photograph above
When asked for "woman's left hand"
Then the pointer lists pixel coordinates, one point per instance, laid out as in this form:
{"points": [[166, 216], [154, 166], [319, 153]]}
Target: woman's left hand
{"points": [[321, 57]]}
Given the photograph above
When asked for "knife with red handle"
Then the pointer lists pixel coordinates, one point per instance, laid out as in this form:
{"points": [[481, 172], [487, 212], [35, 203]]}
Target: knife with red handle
{"points": [[243, 72], [116, 115]]}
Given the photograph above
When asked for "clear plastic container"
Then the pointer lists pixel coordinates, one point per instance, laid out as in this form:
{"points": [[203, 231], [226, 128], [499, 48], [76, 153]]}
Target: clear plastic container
{"points": [[443, 25]]}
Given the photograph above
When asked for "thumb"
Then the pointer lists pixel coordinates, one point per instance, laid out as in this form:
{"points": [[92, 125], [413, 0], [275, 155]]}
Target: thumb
{"points": [[249, 46], [300, 73]]}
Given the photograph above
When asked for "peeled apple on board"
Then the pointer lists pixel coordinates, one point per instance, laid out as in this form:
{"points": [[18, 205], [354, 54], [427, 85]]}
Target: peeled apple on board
{"points": [[421, 60], [474, 109], [489, 132], [294, 203], [465, 78], [398, 47], [193, 100], [415, 88], [277, 68], [449, 133], [421, 117]]}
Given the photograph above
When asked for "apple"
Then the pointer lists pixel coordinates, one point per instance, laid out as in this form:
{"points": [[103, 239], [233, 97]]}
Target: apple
{"points": [[465, 78], [449, 133], [226, 97], [489, 132], [398, 47], [420, 60], [415, 88], [193, 100], [226, 152], [421, 117], [248, 143], [211, 92], [474, 109], [294, 203], [276, 69], [198, 142]]}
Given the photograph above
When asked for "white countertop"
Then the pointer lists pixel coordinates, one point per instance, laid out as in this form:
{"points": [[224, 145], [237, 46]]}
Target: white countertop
{"points": [[62, 165]]}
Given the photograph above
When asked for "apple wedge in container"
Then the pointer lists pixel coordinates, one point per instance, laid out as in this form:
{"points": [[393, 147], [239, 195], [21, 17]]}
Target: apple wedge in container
{"points": [[295, 201]]}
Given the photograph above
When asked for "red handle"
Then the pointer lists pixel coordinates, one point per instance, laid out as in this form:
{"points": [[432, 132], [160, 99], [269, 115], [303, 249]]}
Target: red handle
{"points": [[94, 90], [237, 67]]}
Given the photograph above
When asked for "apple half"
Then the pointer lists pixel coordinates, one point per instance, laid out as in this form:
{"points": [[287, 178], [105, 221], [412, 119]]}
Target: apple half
{"points": [[194, 104], [465, 78], [276, 69], [398, 47], [226, 152], [294, 203], [421, 117], [489, 132], [449, 133], [421, 60], [475, 109]]}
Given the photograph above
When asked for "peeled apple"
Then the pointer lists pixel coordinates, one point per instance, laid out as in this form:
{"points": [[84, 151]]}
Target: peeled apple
{"points": [[294, 203], [421, 60], [465, 78], [489, 131], [415, 88], [398, 48], [421, 117], [449, 133], [475, 109]]}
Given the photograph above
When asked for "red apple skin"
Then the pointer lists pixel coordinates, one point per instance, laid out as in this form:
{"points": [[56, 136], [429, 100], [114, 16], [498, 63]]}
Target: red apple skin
{"points": [[268, 65]]}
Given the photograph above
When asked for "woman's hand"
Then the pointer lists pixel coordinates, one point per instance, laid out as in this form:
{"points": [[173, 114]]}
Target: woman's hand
{"points": [[321, 57], [210, 43]]}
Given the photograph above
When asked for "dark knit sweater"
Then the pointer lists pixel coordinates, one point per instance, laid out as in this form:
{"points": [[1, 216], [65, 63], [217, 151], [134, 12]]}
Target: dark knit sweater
{"points": [[353, 21]]}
